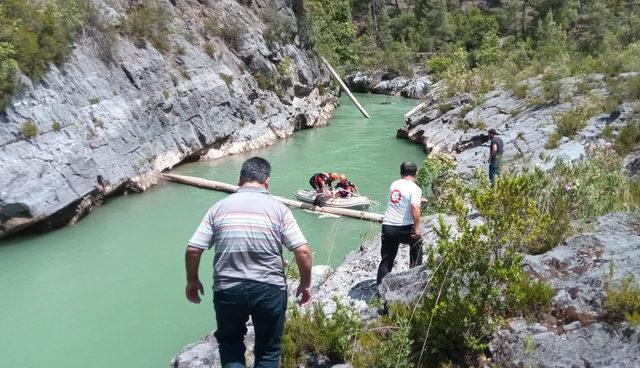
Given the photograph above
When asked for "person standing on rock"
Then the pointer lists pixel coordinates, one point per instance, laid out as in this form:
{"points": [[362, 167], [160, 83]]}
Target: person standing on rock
{"points": [[496, 148], [248, 230], [401, 223]]}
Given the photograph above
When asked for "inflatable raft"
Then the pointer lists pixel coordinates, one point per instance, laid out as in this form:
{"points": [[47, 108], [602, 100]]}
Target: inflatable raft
{"points": [[357, 202]]}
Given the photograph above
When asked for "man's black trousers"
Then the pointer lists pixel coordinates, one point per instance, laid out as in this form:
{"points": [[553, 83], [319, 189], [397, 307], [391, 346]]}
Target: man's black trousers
{"points": [[392, 237]]}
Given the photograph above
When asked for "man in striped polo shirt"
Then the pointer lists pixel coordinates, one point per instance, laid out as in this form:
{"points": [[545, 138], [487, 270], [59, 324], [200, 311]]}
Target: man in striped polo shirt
{"points": [[248, 230]]}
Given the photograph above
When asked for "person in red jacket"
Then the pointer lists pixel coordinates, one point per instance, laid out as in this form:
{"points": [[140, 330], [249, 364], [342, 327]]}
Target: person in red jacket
{"points": [[321, 182]]}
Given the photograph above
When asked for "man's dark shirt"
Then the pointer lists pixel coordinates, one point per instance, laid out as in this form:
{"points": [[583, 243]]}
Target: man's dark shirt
{"points": [[499, 146]]}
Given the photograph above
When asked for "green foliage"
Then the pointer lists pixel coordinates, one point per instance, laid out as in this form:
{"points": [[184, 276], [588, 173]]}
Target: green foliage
{"points": [[520, 90], [528, 297], [332, 30], [433, 168], [149, 21], [628, 137], [285, 67], [209, 49], [35, 34], [574, 120], [489, 52], [313, 332], [30, 129], [232, 34], [56, 126], [623, 298], [94, 100], [395, 351], [8, 69]]}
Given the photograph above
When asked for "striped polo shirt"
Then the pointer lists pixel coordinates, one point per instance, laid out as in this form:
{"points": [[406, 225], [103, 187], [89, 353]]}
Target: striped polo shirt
{"points": [[247, 230]]}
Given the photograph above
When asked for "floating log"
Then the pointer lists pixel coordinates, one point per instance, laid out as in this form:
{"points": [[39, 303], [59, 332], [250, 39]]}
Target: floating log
{"points": [[420, 106], [344, 87], [229, 188]]}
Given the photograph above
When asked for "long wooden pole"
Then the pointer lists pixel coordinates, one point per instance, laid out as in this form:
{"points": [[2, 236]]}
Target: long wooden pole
{"points": [[228, 188], [344, 87]]}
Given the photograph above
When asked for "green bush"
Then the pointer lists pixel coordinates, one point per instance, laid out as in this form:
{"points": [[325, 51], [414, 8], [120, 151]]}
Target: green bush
{"points": [[30, 129], [149, 21], [628, 137], [56, 126], [527, 297], [313, 332], [231, 34], [572, 121], [209, 49], [8, 69], [228, 79], [35, 34], [434, 167], [623, 298]]}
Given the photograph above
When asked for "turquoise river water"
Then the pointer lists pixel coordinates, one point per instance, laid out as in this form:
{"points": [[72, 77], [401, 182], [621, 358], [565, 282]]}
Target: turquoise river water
{"points": [[109, 291]]}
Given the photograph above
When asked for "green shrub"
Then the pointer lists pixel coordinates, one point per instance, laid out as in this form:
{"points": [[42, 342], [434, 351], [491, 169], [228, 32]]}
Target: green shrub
{"points": [[232, 34], [438, 65], [554, 140], [8, 69], [180, 50], [30, 129], [35, 34], [149, 21], [572, 121], [434, 167], [529, 298], [285, 67], [165, 94], [228, 79], [313, 332], [628, 137], [94, 100], [444, 107], [520, 90], [623, 299], [551, 91], [56, 126], [209, 49]]}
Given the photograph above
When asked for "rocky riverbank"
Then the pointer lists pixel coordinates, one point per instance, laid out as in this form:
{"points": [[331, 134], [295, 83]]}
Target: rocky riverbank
{"points": [[459, 124], [577, 329], [102, 125], [390, 83]]}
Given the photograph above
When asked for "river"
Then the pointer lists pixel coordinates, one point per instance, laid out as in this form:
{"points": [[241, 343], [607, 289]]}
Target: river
{"points": [[109, 291]]}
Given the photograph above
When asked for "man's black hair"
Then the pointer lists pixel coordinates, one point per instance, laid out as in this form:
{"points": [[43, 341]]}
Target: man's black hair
{"points": [[408, 168], [492, 132], [255, 169]]}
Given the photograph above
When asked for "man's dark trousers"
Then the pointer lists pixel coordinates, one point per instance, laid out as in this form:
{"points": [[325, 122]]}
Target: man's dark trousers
{"points": [[266, 304], [392, 236]]}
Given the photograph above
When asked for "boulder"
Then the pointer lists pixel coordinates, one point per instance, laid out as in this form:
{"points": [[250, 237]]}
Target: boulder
{"points": [[581, 332]]}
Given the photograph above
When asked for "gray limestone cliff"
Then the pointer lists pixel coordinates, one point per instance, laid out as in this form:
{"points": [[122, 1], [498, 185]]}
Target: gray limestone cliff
{"points": [[111, 126]]}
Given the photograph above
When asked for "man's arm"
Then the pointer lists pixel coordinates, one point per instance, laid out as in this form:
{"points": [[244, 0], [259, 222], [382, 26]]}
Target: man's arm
{"points": [[303, 260], [192, 264], [415, 213], [492, 152]]}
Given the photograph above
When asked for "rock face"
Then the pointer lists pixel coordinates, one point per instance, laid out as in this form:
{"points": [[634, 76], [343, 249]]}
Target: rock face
{"points": [[108, 127], [458, 125], [387, 83], [581, 331]]}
